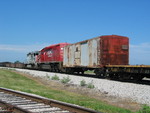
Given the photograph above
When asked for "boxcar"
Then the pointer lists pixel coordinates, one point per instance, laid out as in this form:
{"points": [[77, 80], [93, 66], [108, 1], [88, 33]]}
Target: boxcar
{"points": [[96, 53], [12, 65], [19, 65], [5, 64]]}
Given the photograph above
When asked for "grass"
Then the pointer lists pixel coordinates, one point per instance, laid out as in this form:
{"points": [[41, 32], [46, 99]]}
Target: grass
{"points": [[89, 72], [65, 80], [13, 80], [55, 77], [83, 83], [90, 85], [145, 109]]}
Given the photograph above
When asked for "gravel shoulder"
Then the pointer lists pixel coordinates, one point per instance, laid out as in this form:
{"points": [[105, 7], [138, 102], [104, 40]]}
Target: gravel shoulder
{"points": [[126, 95]]}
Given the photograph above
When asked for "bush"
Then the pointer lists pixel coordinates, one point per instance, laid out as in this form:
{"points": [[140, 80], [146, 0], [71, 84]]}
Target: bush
{"points": [[83, 83], [55, 77], [65, 80], [90, 85], [145, 109]]}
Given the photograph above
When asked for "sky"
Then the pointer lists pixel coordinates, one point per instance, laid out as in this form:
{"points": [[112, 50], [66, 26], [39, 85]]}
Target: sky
{"points": [[28, 25]]}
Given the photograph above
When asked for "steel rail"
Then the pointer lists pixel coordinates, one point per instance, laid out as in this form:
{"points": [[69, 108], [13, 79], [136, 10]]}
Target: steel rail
{"points": [[65, 106]]}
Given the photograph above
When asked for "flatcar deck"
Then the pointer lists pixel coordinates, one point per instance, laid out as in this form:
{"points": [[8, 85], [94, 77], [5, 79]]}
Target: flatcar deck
{"points": [[135, 72]]}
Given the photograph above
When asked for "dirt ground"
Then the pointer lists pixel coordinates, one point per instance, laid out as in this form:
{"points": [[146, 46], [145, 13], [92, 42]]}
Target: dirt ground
{"points": [[93, 93]]}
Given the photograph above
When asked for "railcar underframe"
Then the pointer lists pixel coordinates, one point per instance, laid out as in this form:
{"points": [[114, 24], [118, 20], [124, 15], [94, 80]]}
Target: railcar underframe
{"points": [[116, 72], [51, 66], [125, 72], [119, 72]]}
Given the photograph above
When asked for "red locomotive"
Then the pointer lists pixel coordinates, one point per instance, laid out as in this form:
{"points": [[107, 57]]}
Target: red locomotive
{"points": [[51, 57]]}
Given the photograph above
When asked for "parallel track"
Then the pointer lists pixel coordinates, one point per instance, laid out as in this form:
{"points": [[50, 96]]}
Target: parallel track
{"points": [[18, 102]]}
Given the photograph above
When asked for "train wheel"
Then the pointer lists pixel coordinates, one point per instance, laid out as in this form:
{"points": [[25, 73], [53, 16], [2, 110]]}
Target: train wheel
{"points": [[68, 70], [121, 77], [99, 73], [112, 76], [39, 67], [137, 77], [82, 72]]}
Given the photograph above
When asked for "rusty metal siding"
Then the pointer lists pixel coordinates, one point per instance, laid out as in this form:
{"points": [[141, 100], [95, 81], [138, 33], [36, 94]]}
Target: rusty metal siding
{"points": [[68, 60], [71, 54], [114, 50], [97, 52], [77, 51], [82, 54], [19, 65]]}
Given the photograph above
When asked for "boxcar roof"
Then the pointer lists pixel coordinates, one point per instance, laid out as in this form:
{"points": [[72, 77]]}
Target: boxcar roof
{"points": [[103, 36]]}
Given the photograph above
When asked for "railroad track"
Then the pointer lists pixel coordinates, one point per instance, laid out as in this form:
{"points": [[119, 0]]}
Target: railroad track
{"points": [[19, 102], [145, 81]]}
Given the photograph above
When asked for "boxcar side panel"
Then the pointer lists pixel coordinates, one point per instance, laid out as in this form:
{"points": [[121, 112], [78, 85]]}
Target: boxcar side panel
{"points": [[94, 55], [71, 55], [77, 50], [84, 54], [114, 50]]}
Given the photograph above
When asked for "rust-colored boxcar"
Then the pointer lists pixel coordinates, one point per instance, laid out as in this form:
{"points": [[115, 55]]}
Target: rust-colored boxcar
{"points": [[19, 65], [12, 65], [97, 52]]}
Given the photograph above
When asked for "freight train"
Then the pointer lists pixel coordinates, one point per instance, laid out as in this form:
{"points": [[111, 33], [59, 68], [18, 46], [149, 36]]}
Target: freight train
{"points": [[107, 56]]}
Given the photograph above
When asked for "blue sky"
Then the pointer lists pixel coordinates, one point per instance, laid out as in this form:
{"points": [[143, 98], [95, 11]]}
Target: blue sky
{"points": [[28, 25]]}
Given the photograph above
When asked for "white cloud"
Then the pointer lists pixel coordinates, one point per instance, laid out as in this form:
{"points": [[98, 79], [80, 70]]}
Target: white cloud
{"points": [[22, 48], [18, 52], [140, 54]]}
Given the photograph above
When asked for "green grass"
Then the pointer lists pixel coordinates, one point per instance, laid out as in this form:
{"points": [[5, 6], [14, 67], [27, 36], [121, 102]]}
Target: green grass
{"points": [[12, 80], [83, 83], [55, 77], [145, 109], [90, 85], [89, 72], [65, 80]]}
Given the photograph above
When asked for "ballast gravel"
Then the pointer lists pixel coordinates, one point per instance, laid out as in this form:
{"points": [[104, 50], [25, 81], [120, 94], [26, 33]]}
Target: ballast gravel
{"points": [[136, 92]]}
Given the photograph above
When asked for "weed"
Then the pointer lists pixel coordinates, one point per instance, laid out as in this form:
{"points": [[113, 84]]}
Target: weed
{"points": [[55, 77], [145, 109], [90, 85], [65, 80], [82, 83]]}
